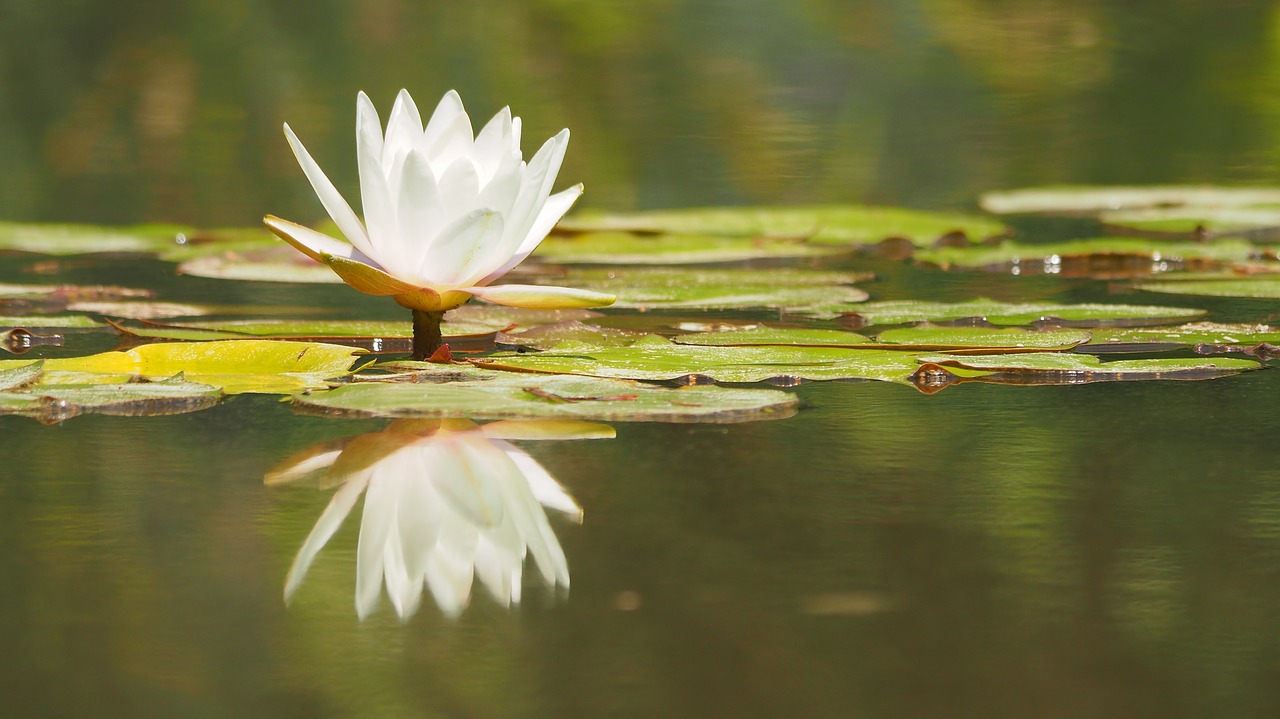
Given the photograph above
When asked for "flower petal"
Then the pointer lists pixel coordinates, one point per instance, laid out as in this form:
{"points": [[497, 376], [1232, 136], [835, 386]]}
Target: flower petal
{"points": [[375, 195], [493, 145], [554, 209], [454, 141], [311, 243], [538, 178], [448, 109], [463, 246], [367, 278], [418, 212], [541, 297], [332, 200], [404, 128], [330, 520]]}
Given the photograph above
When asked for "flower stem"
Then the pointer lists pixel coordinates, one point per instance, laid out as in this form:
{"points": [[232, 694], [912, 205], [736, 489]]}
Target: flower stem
{"points": [[426, 333]]}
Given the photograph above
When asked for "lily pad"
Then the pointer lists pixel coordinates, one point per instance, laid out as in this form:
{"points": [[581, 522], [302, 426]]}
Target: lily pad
{"points": [[1092, 200], [16, 377], [658, 359], [141, 310], [55, 403], [806, 292], [269, 264], [1257, 286], [1068, 368], [1083, 257], [527, 396], [765, 335], [829, 224], [85, 239], [625, 248], [1186, 335], [1255, 223], [984, 338], [892, 312], [30, 322], [235, 366]]}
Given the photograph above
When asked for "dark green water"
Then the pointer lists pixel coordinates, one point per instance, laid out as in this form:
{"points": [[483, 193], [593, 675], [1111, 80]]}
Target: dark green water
{"points": [[1109, 550]]}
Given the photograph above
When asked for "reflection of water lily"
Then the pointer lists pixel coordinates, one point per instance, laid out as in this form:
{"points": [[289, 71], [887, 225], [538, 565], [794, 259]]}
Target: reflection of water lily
{"points": [[446, 212], [445, 503]]}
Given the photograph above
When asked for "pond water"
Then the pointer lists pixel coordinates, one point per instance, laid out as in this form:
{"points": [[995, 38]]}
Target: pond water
{"points": [[1108, 549]]}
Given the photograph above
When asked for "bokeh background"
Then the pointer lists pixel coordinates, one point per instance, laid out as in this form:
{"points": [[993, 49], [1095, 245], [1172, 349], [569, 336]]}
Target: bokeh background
{"points": [[155, 110]]}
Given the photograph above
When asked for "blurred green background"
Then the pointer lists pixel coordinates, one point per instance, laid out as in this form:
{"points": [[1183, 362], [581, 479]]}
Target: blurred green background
{"points": [[151, 110]]}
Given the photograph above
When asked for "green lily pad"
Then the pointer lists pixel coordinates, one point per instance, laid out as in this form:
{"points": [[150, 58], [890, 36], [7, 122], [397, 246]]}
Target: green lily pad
{"points": [[1052, 257], [516, 396], [1211, 333], [798, 291], [15, 377], [235, 366], [1256, 223], [1071, 368], [141, 310], [571, 336], [80, 322], [829, 224], [1255, 286], [72, 293], [765, 335], [1092, 200], [269, 264], [227, 241], [984, 337], [658, 359], [893, 312], [85, 239], [624, 248], [55, 403]]}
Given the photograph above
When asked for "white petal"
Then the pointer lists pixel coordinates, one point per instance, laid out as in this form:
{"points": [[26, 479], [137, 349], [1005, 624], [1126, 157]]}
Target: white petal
{"points": [[367, 116], [313, 244], [539, 176], [418, 211], [540, 296], [545, 488], [343, 216], [454, 141], [464, 246], [375, 528], [449, 579], [459, 189], [404, 128], [493, 145], [375, 195], [552, 211], [515, 135], [330, 520], [446, 112]]}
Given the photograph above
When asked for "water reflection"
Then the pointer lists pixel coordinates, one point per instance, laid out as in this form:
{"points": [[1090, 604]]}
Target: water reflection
{"points": [[446, 502]]}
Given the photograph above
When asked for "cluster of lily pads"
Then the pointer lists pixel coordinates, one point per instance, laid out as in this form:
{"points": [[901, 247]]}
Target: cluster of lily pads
{"points": [[714, 306]]}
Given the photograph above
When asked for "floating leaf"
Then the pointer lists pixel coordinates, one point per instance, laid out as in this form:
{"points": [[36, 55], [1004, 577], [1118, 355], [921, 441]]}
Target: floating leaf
{"points": [[1108, 256], [1091, 200], [1211, 333], [526, 396], [55, 403], [659, 359], [807, 292], [235, 366], [1005, 313], [1255, 223], [624, 248], [764, 335], [271, 264], [832, 224], [52, 322], [983, 337], [141, 310], [1255, 286], [1070, 368], [15, 377], [571, 335], [83, 239]]}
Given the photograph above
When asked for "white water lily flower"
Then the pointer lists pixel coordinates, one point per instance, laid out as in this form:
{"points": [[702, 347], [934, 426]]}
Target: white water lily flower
{"points": [[446, 212], [443, 506]]}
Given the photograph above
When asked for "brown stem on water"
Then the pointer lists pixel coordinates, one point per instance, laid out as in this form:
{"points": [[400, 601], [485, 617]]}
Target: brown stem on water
{"points": [[426, 333]]}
